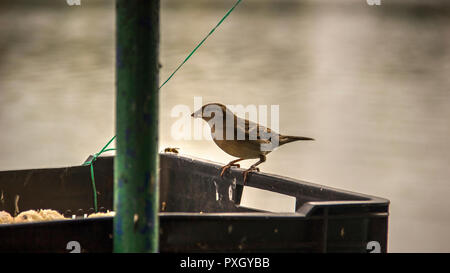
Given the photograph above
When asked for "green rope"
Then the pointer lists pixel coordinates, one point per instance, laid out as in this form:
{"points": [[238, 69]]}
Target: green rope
{"points": [[91, 163], [201, 43], [104, 149]]}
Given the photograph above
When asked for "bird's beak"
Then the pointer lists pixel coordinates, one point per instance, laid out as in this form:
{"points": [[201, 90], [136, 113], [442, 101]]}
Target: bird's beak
{"points": [[197, 114]]}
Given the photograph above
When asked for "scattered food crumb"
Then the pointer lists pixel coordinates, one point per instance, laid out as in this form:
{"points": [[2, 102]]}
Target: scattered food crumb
{"points": [[342, 232], [171, 150], [43, 215], [102, 214], [28, 216], [49, 214], [5, 218]]}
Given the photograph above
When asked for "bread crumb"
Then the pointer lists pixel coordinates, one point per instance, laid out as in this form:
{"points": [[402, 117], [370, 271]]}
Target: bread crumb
{"points": [[5, 218], [28, 216], [102, 214], [49, 214]]}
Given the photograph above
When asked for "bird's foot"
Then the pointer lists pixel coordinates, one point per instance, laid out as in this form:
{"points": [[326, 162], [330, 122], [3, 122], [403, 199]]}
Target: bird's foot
{"points": [[246, 172], [228, 166]]}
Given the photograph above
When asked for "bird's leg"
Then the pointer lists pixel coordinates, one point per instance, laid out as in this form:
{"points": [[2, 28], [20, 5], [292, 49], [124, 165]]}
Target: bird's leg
{"points": [[229, 165], [262, 158]]}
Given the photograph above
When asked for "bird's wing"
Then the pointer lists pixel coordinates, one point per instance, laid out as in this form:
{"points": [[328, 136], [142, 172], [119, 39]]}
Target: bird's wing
{"points": [[252, 131]]}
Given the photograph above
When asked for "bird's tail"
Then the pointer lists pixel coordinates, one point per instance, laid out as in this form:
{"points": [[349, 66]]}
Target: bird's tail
{"points": [[287, 139]]}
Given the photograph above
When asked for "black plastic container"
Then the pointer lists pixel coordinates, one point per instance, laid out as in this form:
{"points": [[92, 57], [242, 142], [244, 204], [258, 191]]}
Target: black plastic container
{"points": [[200, 211]]}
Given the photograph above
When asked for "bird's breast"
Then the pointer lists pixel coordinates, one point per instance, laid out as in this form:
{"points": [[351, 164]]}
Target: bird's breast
{"points": [[241, 148]]}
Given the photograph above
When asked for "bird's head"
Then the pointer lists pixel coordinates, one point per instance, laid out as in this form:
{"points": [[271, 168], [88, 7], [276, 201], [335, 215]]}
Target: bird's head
{"points": [[209, 111]]}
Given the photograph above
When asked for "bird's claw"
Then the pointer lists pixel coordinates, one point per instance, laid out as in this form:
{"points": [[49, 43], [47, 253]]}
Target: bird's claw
{"points": [[245, 173], [228, 166]]}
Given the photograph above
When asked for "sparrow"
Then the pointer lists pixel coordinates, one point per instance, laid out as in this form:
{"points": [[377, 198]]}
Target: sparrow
{"points": [[240, 137]]}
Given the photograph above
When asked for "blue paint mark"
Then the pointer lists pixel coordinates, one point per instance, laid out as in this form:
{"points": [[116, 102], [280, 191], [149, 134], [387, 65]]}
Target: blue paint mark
{"points": [[144, 186], [150, 216], [144, 229], [117, 220], [119, 60], [118, 227], [120, 183], [127, 134]]}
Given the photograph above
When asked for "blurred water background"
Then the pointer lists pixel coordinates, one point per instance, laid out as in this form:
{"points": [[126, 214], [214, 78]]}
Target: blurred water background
{"points": [[370, 83]]}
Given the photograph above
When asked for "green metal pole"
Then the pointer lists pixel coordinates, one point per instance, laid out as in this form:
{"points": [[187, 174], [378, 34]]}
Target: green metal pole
{"points": [[136, 191]]}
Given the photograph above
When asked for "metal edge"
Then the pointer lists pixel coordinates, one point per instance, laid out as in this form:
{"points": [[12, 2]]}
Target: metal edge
{"points": [[307, 208]]}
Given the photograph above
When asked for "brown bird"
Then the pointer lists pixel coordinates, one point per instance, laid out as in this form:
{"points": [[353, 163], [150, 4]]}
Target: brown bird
{"points": [[241, 138]]}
